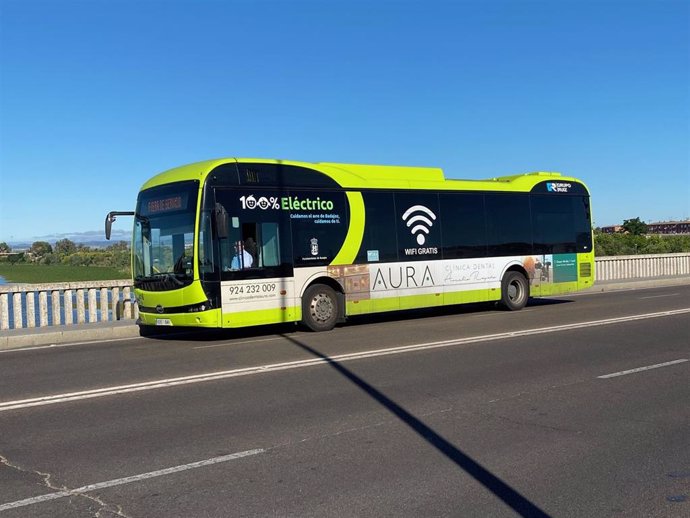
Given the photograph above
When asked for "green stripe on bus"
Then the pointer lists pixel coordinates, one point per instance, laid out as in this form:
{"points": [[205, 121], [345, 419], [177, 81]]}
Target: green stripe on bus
{"points": [[355, 231], [364, 306], [262, 316]]}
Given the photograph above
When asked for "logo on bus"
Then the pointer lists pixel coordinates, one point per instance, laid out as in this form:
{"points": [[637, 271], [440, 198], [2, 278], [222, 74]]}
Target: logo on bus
{"points": [[264, 203], [291, 203], [558, 186], [419, 220], [403, 276]]}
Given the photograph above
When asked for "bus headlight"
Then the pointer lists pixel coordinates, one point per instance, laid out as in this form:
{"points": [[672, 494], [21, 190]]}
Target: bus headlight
{"points": [[196, 308]]}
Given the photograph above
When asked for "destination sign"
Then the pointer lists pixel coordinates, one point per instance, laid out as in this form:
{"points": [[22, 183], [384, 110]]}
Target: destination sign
{"points": [[171, 203]]}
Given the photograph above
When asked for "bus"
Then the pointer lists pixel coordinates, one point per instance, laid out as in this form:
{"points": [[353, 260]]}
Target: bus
{"points": [[241, 242]]}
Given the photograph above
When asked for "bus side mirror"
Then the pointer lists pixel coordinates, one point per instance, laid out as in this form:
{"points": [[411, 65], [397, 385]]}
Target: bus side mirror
{"points": [[222, 222], [112, 217], [108, 225]]}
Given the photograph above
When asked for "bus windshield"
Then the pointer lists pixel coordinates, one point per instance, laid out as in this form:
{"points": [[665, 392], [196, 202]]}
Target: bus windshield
{"points": [[164, 236]]}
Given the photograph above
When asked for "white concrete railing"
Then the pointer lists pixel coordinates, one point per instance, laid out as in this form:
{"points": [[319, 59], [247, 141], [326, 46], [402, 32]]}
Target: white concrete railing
{"points": [[41, 305], [620, 267], [65, 303]]}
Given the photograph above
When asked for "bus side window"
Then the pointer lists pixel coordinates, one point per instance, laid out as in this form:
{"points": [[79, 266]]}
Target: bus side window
{"points": [[206, 255], [261, 241], [261, 231], [270, 245]]}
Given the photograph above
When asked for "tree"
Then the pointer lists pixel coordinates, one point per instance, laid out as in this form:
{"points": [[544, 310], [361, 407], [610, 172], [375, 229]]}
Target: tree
{"points": [[635, 226], [40, 248], [65, 247], [119, 246], [15, 258], [5, 248]]}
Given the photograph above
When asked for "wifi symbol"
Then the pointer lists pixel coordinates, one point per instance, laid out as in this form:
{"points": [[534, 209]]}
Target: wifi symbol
{"points": [[421, 222]]}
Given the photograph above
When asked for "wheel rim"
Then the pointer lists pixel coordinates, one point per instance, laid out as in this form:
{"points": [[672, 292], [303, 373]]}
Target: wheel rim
{"points": [[321, 307], [515, 291]]}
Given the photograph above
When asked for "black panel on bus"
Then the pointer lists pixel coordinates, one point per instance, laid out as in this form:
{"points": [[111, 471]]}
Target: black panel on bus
{"points": [[418, 226], [379, 242], [473, 225], [281, 175], [463, 224], [226, 174], [319, 223]]}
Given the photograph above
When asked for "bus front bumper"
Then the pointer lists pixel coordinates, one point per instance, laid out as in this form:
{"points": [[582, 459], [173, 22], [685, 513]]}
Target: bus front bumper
{"points": [[210, 318]]}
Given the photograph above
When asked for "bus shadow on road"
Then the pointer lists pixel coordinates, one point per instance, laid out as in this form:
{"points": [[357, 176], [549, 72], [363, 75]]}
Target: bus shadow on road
{"points": [[285, 329], [196, 334], [509, 496], [443, 311]]}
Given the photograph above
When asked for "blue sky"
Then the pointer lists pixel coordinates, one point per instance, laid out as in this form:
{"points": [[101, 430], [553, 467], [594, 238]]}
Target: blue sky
{"points": [[97, 96]]}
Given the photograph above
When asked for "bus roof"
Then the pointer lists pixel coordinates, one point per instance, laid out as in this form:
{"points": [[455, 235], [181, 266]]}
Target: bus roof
{"points": [[360, 176]]}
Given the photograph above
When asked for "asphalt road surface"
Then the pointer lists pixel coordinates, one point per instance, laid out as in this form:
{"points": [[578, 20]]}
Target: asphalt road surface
{"points": [[576, 406]]}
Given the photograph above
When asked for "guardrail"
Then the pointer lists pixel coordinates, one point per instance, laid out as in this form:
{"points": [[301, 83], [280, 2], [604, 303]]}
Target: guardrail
{"points": [[42, 305], [65, 303], [621, 267]]}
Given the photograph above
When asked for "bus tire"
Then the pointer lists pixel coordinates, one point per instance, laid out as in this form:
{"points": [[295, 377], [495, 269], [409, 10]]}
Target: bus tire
{"points": [[514, 291], [320, 309]]}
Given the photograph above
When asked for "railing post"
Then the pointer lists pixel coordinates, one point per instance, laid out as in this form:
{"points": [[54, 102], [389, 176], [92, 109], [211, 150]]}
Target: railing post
{"points": [[55, 297], [31, 309], [126, 295], [69, 316], [104, 305], [18, 310], [93, 306], [81, 307], [43, 308], [115, 302], [4, 311]]}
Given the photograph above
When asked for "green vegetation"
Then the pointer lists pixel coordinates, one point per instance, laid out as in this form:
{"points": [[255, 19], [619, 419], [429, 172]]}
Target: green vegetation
{"points": [[633, 244], [37, 273], [65, 262], [635, 226]]}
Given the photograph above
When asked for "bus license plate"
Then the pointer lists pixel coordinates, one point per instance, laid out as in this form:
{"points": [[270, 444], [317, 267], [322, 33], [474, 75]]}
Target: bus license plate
{"points": [[163, 322]]}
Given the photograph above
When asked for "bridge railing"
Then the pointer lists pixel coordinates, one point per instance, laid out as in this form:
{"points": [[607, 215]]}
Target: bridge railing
{"points": [[621, 267], [65, 303], [42, 305]]}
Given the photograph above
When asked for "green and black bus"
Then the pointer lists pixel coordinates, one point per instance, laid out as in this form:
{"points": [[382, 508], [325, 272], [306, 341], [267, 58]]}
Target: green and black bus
{"points": [[240, 242]]}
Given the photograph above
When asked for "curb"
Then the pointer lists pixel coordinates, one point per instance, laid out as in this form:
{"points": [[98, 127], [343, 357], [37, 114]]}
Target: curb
{"points": [[48, 336]]}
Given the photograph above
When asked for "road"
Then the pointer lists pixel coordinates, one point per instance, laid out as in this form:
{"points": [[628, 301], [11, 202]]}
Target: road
{"points": [[462, 412]]}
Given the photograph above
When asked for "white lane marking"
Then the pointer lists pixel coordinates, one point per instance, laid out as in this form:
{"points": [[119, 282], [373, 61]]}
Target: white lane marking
{"points": [[71, 344], [213, 376], [128, 480], [224, 344], [658, 296], [640, 369]]}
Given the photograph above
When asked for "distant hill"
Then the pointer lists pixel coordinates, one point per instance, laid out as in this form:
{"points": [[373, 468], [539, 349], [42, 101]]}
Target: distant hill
{"points": [[93, 239]]}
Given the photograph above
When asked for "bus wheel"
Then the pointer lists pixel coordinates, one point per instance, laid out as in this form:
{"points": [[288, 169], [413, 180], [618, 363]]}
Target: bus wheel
{"points": [[514, 291], [319, 308]]}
